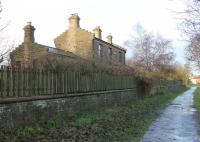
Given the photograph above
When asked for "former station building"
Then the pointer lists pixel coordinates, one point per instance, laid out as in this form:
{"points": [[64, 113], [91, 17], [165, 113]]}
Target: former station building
{"points": [[73, 46]]}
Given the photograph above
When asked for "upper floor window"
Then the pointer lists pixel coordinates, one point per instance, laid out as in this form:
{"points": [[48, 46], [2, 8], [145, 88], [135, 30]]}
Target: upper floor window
{"points": [[100, 50], [110, 51], [120, 57]]}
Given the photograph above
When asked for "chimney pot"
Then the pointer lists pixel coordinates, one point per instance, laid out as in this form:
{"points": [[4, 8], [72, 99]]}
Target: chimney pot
{"points": [[29, 33], [74, 21], [109, 38]]}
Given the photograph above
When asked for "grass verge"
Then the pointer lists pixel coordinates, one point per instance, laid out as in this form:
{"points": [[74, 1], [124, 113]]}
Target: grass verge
{"points": [[119, 122], [197, 99]]}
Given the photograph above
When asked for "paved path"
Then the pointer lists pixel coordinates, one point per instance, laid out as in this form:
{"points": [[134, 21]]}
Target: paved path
{"points": [[176, 123]]}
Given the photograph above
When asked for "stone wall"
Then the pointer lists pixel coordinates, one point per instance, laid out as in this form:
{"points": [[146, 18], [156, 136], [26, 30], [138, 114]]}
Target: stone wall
{"points": [[29, 110], [163, 86], [19, 112]]}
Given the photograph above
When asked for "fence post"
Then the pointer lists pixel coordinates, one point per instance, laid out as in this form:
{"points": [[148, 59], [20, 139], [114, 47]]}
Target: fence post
{"points": [[52, 85], [26, 82], [1, 83], [18, 82]]}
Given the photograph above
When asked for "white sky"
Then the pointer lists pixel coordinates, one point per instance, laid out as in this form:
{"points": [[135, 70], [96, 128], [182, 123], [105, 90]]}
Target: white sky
{"points": [[50, 18]]}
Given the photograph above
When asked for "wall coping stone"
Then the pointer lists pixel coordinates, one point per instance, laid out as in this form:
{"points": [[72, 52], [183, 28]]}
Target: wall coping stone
{"points": [[56, 96]]}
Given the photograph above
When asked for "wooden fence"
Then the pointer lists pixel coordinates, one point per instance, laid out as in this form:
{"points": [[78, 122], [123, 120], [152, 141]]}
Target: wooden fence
{"points": [[27, 82]]}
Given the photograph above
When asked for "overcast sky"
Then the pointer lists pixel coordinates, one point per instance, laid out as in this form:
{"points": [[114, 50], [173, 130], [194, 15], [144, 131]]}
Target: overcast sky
{"points": [[50, 18]]}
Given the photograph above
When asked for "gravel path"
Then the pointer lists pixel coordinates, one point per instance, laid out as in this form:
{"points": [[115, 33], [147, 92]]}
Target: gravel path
{"points": [[176, 123]]}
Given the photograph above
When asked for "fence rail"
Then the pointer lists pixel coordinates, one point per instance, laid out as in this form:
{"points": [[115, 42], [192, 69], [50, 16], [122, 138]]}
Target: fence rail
{"points": [[27, 82]]}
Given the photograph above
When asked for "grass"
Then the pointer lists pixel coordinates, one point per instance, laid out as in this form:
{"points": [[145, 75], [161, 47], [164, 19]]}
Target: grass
{"points": [[197, 98], [119, 122]]}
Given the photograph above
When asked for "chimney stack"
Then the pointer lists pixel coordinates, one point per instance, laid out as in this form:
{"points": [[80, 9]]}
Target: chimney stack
{"points": [[97, 32], [29, 33], [74, 20], [109, 38]]}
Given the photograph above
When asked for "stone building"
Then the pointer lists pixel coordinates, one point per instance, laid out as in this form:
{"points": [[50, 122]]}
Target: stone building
{"points": [[72, 47], [89, 45], [195, 79], [33, 55]]}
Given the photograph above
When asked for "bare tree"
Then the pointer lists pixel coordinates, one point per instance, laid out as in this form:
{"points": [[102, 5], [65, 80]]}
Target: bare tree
{"points": [[190, 25], [150, 53], [193, 51], [5, 45]]}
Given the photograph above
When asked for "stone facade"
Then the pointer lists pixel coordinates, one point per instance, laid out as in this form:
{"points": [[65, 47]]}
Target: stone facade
{"points": [[104, 52], [75, 45], [77, 41]]}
